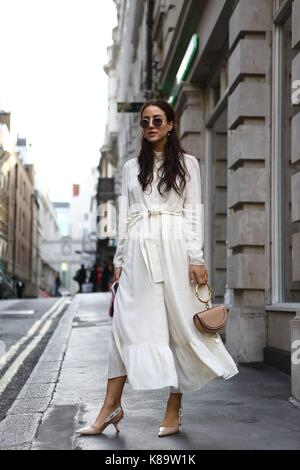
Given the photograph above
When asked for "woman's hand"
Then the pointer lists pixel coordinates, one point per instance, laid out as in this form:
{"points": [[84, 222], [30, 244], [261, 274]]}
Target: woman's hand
{"points": [[198, 274], [117, 274]]}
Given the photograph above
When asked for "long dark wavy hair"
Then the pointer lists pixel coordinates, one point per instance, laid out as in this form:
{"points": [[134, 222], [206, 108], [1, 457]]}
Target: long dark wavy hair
{"points": [[173, 168]]}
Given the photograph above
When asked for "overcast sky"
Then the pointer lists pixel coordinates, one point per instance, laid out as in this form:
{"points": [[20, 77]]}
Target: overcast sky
{"points": [[52, 81]]}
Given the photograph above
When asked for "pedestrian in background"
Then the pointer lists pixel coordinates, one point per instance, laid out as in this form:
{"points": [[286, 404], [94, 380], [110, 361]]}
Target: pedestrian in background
{"points": [[81, 277], [154, 343], [105, 278], [57, 285], [98, 277], [93, 278], [20, 287]]}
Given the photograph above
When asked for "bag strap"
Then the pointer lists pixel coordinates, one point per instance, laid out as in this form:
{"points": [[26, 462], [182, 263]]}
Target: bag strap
{"points": [[206, 302]]}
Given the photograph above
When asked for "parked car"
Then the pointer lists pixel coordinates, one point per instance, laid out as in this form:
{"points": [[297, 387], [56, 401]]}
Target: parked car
{"points": [[6, 286]]}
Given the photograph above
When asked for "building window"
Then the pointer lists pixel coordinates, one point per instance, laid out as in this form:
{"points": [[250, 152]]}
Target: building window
{"points": [[291, 287], [284, 287]]}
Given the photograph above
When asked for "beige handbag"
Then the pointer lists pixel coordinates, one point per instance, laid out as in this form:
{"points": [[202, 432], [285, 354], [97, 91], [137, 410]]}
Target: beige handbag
{"points": [[212, 319]]}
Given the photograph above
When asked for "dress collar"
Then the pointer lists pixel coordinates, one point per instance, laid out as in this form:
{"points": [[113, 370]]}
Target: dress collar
{"points": [[158, 155]]}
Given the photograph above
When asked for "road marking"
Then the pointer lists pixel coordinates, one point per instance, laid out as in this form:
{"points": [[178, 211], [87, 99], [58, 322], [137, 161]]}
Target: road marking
{"points": [[14, 367], [15, 347], [16, 312]]}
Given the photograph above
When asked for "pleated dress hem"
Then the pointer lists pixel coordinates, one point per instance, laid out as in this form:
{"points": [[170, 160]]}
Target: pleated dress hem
{"points": [[153, 366]]}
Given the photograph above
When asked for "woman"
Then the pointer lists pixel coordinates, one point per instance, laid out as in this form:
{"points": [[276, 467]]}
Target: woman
{"points": [[158, 261]]}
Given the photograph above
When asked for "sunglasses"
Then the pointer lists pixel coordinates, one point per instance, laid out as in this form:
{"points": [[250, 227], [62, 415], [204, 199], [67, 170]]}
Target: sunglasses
{"points": [[156, 121]]}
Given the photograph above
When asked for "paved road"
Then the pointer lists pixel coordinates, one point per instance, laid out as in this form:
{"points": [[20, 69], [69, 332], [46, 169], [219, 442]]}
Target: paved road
{"points": [[25, 328], [67, 387]]}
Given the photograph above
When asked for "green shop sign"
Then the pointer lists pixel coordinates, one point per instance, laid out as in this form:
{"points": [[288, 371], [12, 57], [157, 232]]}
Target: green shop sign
{"points": [[184, 67]]}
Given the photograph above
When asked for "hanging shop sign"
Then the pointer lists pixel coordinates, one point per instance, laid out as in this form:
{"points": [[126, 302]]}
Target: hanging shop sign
{"points": [[127, 107]]}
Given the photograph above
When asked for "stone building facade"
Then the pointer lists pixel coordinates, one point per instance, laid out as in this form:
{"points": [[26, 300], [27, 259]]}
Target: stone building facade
{"points": [[50, 237], [21, 191], [231, 70], [19, 212], [5, 161]]}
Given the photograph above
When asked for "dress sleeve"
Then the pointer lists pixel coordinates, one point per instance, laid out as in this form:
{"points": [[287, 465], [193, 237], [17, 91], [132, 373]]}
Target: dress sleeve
{"points": [[193, 212], [123, 214]]}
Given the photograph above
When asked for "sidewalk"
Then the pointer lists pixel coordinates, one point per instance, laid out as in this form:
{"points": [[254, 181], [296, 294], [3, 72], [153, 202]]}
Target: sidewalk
{"points": [[67, 388]]}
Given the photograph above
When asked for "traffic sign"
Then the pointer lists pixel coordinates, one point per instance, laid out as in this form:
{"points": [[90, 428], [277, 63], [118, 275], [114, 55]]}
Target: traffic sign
{"points": [[127, 107]]}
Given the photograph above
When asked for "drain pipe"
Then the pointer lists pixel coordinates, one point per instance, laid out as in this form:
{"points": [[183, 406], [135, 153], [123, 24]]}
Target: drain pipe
{"points": [[149, 91]]}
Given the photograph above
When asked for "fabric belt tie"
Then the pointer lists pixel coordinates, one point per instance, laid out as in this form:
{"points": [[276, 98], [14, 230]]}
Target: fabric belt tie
{"points": [[149, 247]]}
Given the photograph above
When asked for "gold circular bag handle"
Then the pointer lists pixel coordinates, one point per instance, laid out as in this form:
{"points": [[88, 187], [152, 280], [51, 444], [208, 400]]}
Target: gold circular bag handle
{"points": [[209, 294]]}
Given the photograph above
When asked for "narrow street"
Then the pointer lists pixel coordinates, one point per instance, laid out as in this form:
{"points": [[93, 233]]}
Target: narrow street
{"points": [[25, 328], [67, 386]]}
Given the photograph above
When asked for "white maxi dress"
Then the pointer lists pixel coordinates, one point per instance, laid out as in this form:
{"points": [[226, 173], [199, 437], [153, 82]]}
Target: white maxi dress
{"points": [[153, 339]]}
